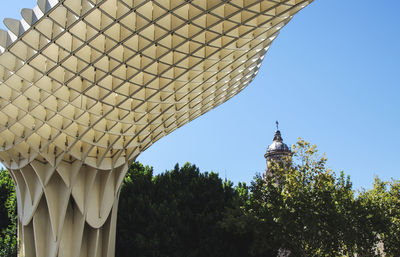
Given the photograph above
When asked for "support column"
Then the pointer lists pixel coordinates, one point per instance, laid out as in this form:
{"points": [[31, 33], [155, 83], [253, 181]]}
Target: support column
{"points": [[67, 211]]}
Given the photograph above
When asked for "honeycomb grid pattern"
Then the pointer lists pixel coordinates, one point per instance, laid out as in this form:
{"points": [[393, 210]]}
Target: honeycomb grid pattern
{"points": [[87, 85]]}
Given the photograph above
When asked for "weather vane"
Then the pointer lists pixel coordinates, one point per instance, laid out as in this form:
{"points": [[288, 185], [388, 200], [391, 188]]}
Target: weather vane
{"points": [[277, 125]]}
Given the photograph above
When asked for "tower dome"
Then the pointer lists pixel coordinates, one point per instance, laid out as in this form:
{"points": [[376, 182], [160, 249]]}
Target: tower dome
{"points": [[277, 147]]}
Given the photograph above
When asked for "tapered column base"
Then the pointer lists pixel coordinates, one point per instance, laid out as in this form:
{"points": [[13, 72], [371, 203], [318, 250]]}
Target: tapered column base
{"points": [[67, 211]]}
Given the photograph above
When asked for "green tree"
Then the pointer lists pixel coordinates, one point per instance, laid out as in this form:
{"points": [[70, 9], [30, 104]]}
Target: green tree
{"points": [[8, 216], [177, 213], [383, 205], [306, 209], [391, 235]]}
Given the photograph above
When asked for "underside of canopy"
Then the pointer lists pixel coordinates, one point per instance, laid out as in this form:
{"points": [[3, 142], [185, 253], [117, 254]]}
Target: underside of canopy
{"points": [[99, 81]]}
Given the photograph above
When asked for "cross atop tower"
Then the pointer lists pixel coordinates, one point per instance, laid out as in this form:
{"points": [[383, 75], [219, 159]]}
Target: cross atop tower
{"points": [[277, 125]]}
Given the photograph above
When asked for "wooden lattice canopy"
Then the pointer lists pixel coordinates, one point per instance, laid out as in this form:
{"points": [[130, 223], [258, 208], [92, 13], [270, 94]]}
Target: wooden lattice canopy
{"points": [[101, 80]]}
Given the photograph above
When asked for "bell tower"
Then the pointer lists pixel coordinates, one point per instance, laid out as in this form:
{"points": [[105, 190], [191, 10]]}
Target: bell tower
{"points": [[277, 152]]}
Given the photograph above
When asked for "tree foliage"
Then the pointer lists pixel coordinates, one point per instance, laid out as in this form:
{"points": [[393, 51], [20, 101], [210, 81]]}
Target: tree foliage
{"points": [[8, 216], [176, 213], [304, 209], [383, 205]]}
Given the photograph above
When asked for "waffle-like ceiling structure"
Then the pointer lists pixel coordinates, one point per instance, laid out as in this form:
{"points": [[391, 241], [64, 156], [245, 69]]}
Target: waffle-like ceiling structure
{"points": [[87, 85]]}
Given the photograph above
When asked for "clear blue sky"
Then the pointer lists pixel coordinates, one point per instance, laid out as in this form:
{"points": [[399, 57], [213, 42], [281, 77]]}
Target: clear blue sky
{"points": [[331, 77]]}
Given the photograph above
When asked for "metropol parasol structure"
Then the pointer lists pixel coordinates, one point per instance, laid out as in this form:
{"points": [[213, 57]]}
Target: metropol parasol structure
{"points": [[87, 85]]}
